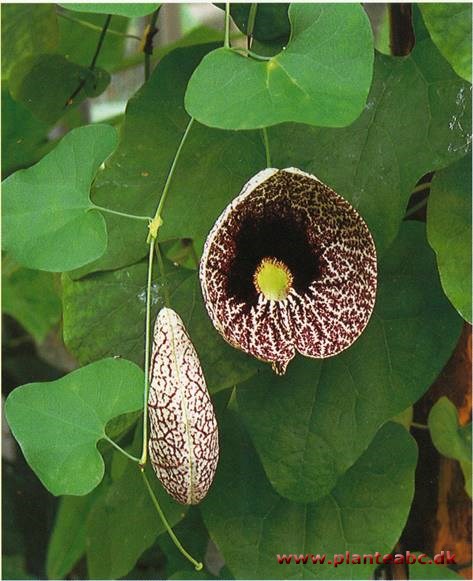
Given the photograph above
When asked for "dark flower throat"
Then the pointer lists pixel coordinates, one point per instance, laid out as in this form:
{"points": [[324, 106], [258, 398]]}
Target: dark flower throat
{"points": [[278, 237]]}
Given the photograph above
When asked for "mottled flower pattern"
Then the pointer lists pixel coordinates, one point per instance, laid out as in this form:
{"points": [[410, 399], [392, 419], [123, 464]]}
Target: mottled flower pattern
{"points": [[183, 444], [321, 292]]}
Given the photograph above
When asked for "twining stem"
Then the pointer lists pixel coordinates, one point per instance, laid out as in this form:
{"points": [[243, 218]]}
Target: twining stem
{"points": [[70, 100], [120, 449], [419, 426], [100, 42], [152, 238], [266, 146], [251, 24], [416, 208], [198, 566], [117, 213], [144, 451], [226, 43], [96, 28], [148, 45], [162, 200], [250, 53], [421, 187]]}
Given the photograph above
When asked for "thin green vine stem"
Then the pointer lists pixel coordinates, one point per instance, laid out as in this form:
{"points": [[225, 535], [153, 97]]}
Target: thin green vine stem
{"points": [[96, 28], [266, 146], [144, 451], [152, 238], [120, 449], [197, 564], [123, 214], [162, 200], [226, 42], [250, 53]]}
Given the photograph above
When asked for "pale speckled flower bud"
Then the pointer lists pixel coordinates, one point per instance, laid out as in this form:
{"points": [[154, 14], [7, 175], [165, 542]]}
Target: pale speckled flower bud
{"points": [[183, 444]]}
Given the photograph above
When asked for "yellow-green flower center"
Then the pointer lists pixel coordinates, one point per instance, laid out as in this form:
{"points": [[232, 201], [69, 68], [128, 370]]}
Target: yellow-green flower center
{"points": [[273, 279]]}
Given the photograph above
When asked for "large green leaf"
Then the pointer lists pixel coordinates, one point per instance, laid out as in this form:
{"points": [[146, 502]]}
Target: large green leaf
{"points": [[449, 232], [27, 29], [30, 296], [312, 424], [24, 138], [212, 168], [322, 78], [251, 524], [123, 523], [417, 119], [59, 423], [68, 539], [130, 10], [450, 28], [104, 315], [49, 85], [48, 222]]}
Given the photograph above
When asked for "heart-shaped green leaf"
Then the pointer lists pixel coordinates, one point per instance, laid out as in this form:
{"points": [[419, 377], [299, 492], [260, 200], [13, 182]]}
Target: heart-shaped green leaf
{"points": [[321, 78], [450, 28], [130, 10], [449, 232], [59, 423], [312, 424], [252, 525], [417, 119], [48, 220]]}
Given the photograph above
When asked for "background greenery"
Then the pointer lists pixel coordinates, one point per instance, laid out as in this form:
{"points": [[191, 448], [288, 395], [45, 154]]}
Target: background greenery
{"points": [[320, 460]]}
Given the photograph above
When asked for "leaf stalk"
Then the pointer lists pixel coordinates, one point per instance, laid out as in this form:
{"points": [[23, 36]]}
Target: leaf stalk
{"points": [[123, 214], [266, 146], [226, 42]]}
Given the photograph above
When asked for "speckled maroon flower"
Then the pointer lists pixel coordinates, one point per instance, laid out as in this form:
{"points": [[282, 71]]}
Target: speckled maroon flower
{"points": [[289, 266]]}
